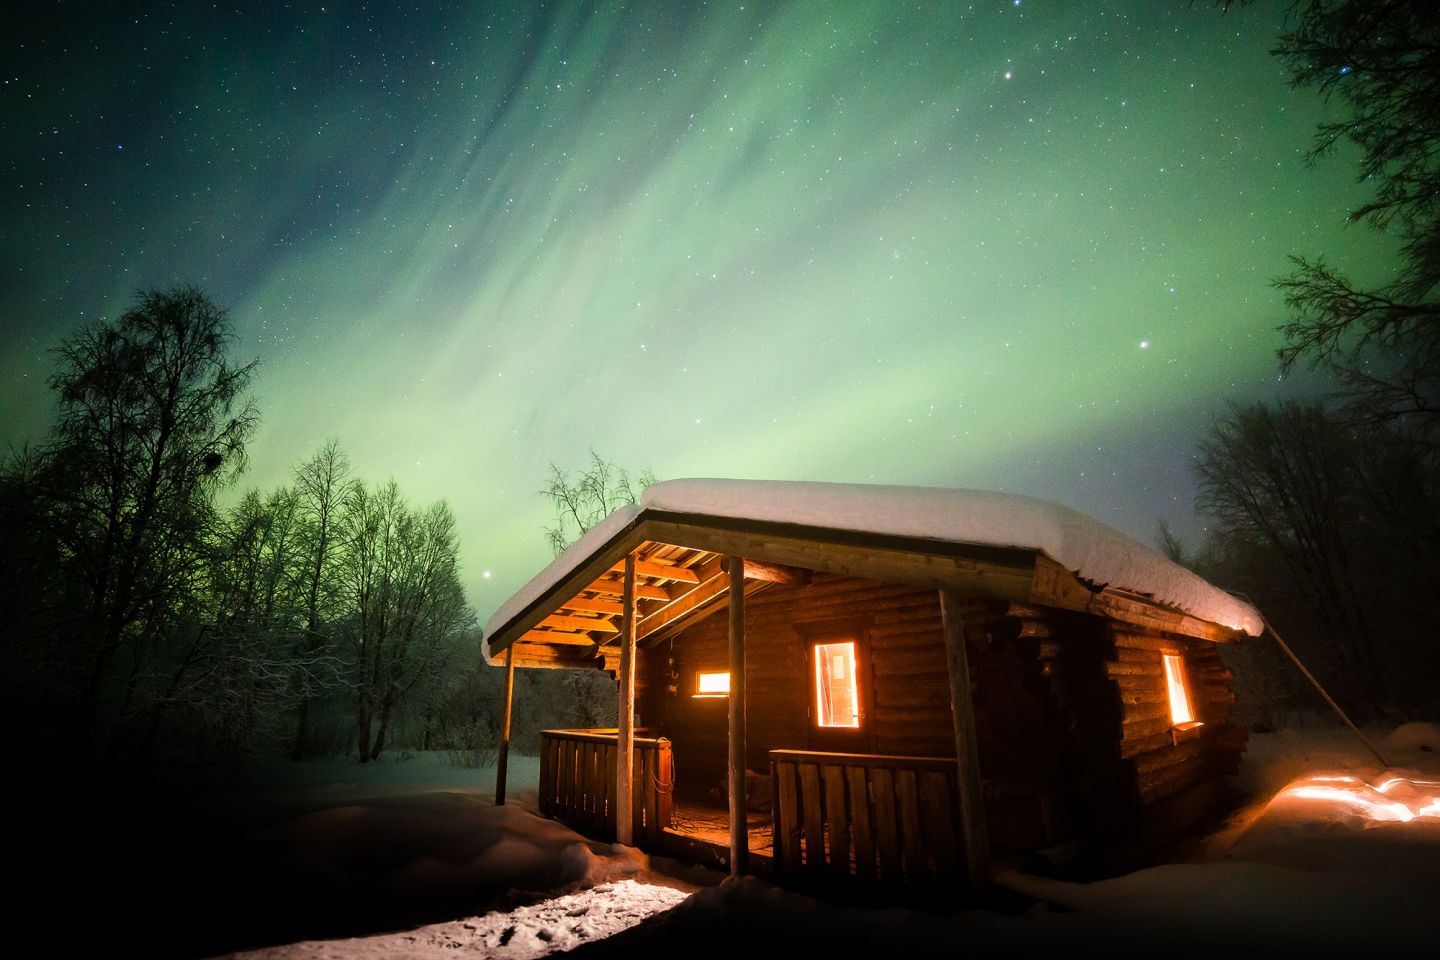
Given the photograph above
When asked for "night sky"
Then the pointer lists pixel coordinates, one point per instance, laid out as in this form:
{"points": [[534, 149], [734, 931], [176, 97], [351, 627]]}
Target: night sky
{"points": [[1015, 245]]}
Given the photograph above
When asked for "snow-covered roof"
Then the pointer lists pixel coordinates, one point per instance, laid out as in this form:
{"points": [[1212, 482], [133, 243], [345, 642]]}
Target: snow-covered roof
{"points": [[1098, 554]]}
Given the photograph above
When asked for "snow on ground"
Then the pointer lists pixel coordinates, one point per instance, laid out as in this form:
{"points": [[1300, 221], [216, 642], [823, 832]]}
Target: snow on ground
{"points": [[1291, 871]]}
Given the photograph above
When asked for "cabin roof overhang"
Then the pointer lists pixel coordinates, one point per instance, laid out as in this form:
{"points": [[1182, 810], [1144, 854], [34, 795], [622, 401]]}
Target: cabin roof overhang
{"points": [[573, 617]]}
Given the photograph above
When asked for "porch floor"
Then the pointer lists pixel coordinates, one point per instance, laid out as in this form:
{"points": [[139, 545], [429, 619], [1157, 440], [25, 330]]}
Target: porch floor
{"points": [[702, 831]]}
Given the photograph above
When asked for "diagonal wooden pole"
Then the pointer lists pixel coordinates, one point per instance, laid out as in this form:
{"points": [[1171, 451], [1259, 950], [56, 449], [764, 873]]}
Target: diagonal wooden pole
{"points": [[1333, 705]]}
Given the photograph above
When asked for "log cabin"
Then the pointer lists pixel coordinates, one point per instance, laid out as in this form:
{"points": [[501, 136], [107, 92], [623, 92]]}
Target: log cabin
{"points": [[880, 687]]}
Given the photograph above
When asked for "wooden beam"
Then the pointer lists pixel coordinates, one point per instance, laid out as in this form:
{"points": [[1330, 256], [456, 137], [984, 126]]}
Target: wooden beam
{"points": [[504, 758], [973, 830], [558, 622], [1142, 613], [696, 598], [775, 572], [625, 748], [531, 655], [589, 605], [739, 826], [615, 588], [1001, 573], [661, 571], [558, 636]]}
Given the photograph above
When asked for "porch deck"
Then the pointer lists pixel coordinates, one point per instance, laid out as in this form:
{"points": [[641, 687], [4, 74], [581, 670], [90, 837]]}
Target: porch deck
{"points": [[701, 831]]}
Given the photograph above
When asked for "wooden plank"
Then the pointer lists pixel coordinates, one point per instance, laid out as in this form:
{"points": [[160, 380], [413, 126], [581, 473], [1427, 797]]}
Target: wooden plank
{"points": [[939, 816], [1133, 610], [606, 800], [887, 834], [546, 784], [787, 819], [616, 588], [1117, 669], [1145, 728], [991, 571], [856, 780], [625, 746], [683, 605], [974, 834], [660, 571], [1147, 641], [1139, 745], [869, 760], [833, 777], [566, 638], [666, 766], [593, 605], [739, 826], [567, 777], [917, 865], [814, 816], [1189, 751], [1136, 712], [775, 573], [581, 624]]}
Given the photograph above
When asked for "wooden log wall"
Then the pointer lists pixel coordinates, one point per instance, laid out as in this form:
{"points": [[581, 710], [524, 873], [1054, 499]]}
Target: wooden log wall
{"points": [[1169, 766], [577, 783], [841, 816], [1072, 718], [902, 678]]}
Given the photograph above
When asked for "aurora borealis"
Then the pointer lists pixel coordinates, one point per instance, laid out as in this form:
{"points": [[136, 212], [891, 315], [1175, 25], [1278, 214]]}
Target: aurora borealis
{"points": [[1015, 245]]}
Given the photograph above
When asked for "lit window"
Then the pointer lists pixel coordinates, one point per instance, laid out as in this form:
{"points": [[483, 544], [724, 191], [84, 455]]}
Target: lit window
{"points": [[1180, 711], [836, 697], [712, 684]]}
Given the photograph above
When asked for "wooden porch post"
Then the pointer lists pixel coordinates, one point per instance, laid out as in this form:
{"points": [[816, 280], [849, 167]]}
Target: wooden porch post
{"points": [[739, 832], [625, 749], [975, 834], [505, 727]]}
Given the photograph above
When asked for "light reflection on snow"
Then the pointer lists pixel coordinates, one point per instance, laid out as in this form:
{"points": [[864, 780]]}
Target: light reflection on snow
{"points": [[1396, 799]]}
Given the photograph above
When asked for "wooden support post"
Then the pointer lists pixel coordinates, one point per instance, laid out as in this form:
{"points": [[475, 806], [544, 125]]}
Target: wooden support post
{"points": [[625, 749], [973, 831], [504, 758], [739, 825]]}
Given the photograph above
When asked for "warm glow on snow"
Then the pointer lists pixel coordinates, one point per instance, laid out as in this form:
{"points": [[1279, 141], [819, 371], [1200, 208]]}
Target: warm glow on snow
{"points": [[1396, 799], [1180, 711]]}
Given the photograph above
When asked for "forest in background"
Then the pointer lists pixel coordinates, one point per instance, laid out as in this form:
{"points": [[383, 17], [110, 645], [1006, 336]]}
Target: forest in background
{"points": [[149, 625], [146, 623]]}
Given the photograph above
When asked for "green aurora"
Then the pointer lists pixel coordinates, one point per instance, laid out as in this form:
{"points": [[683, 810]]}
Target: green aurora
{"points": [[1015, 245]]}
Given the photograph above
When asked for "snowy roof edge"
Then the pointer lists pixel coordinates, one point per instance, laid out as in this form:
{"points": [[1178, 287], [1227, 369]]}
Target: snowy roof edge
{"points": [[1095, 552]]}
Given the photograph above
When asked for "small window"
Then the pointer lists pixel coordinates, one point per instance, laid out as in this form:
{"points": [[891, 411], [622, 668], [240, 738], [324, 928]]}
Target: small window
{"points": [[837, 699], [712, 684], [1180, 712]]}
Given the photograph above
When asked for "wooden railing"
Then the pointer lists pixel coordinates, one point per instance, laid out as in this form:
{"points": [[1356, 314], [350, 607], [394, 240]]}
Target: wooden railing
{"points": [[842, 815], [577, 782]]}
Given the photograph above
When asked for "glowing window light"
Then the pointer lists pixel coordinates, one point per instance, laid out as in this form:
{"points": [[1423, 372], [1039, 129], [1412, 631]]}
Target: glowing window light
{"points": [[837, 699], [1180, 711], [712, 684]]}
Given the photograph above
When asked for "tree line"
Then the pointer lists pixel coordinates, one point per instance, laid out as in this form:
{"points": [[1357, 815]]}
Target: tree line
{"points": [[147, 622], [1327, 511]]}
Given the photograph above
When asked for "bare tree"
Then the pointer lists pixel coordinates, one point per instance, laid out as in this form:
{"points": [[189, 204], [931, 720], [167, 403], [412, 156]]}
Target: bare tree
{"points": [[405, 602], [322, 484], [1285, 481], [591, 496], [152, 422]]}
